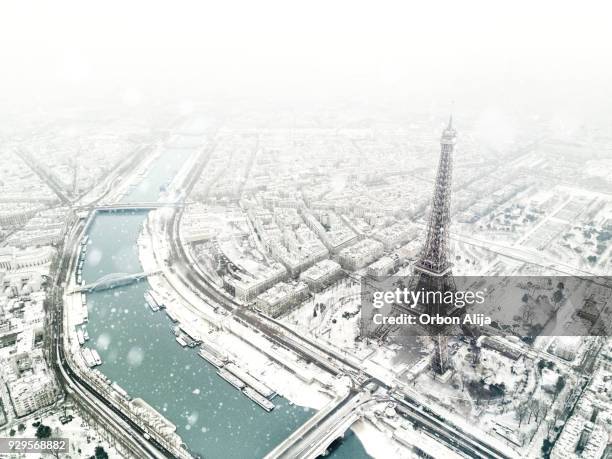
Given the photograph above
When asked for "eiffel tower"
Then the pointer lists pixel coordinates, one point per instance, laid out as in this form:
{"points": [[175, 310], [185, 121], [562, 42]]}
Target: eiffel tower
{"points": [[432, 270]]}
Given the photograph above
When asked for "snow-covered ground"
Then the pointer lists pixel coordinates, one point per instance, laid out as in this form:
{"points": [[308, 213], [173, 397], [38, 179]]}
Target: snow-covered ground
{"points": [[83, 438]]}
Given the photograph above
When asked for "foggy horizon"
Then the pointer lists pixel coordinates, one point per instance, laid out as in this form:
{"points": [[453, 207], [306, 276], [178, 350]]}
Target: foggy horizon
{"points": [[545, 58]]}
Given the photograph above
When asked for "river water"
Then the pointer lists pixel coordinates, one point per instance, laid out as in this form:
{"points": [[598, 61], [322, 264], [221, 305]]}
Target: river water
{"points": [[140, 353]]}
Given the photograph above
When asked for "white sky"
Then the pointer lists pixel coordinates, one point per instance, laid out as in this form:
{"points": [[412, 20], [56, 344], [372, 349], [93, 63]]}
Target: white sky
{"points": [[536, 51]]}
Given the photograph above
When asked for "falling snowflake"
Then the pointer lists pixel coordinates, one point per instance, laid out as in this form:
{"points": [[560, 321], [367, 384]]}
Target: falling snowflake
{"points": [[135, 356], [103, 341]]}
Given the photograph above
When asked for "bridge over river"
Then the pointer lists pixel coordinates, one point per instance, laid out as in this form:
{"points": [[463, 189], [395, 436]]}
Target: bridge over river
{"points": [[113, 280], [313, 438]]}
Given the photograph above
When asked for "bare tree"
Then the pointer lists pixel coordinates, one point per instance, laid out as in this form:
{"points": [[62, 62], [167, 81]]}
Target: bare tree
{"points": [[521, 411], [528, 313], [534, 406]]}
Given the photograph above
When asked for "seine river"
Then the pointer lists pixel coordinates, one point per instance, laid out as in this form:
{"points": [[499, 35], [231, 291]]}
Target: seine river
{"points": [[140, 353]]}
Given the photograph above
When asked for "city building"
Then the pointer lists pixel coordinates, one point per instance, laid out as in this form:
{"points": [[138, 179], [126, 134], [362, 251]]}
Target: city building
{"points": [[321, 275], [383, 266], [360, 254], [280, 298], [331, 229], [580, 439], [285, 236], [13, 258], [246, 286], [31, 393], [394, 236]]}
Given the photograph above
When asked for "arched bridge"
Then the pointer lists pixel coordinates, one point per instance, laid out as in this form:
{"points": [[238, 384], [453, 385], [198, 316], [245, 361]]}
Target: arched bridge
{"points": [[136, 206], [113, 280]]}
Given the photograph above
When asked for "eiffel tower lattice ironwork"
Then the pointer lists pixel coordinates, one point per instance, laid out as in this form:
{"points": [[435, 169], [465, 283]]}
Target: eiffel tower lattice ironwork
{"points": [[432, 270]]}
